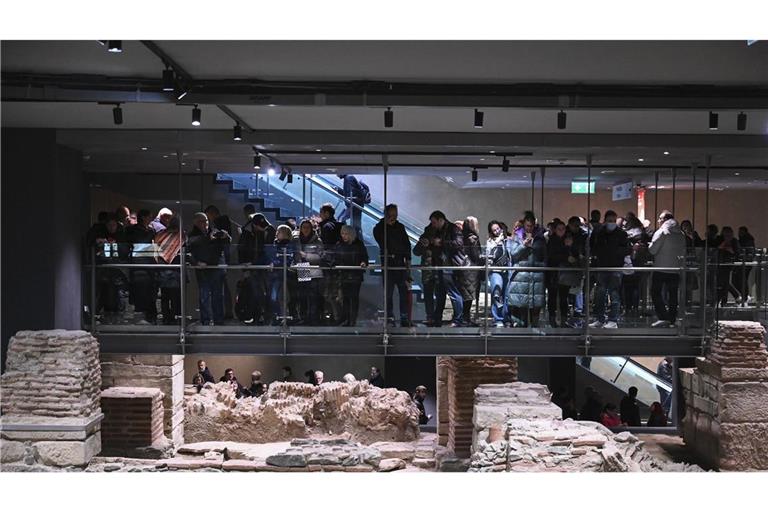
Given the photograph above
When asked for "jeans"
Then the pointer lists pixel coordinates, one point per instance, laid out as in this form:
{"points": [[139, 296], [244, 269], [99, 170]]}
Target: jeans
{"points": [[397, 278], [608, 285], [497, 285], [665, 284], [276, 295], [434, 295], [454, 294], [350, 293], [211, 286], [309, 300]]}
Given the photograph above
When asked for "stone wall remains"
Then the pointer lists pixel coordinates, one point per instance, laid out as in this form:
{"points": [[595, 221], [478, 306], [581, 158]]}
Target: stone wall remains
{"points": [[462, 376], [51, 412], [133, 422], [518, 429], [162, 371], [297, 410], [726, 399]]}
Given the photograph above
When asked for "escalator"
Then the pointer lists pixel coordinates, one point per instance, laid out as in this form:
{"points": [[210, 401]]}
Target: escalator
{"points": [[613, 376]]}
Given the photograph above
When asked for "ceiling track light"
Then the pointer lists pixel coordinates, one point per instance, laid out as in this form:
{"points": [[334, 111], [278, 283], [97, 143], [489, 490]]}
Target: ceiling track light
{"points": [[196, 116], [290, 177], [168, 80], [180, 93], [713, 120], [474, 174], [741, 121], [237, 136], [115, 46], [283, 174], [117, 114], [505, 165], [478, 118], [389, 118], [257, 162], [561, 120]]}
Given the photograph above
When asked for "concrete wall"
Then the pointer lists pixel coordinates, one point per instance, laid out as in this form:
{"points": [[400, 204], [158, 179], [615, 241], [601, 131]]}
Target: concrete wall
{"points": [[42, 224]]}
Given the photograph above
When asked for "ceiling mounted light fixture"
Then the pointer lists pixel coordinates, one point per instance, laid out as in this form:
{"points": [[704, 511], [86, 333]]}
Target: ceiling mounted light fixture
{"points": [[561, 120], [115, 46], [389, 118], [479, 118], [237, 136], [168, 79], [741, 121], [180, 93], [257, 162], [505, 165], [474, 174], [713, 120], [196, 116], [290, 177], [283, 174], [117, 114]]}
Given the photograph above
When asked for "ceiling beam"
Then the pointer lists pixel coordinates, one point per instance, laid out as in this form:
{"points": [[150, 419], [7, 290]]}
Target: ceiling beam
{"points": [[97, 88]]}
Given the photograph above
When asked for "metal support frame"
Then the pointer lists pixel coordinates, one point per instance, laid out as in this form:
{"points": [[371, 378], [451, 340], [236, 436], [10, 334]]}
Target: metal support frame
{"points": [[588, 255], [705, 287], [674, 189], [183, 260], [656, 201]]}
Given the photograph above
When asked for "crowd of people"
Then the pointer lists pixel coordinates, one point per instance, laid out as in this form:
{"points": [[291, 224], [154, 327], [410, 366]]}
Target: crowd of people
{"points": [[596, 409], [327, 262], [258, 387]]}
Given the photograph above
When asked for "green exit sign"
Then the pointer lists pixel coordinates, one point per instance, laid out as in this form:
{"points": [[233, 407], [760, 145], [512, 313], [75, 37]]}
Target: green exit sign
{"points": [[580, 187]]}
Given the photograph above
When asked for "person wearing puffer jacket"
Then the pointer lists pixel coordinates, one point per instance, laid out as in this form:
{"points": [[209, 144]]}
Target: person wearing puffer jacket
{"points": [[668, 250], [525, 293]]}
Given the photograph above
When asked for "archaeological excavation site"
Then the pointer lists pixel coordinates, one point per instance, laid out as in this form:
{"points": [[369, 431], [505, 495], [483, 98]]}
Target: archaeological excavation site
{"points": [[68, 407]]}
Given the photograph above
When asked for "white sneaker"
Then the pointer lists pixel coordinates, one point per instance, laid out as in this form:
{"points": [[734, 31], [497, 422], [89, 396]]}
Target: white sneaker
{"points": [[660, 323], [596, 324], [611, 325]]}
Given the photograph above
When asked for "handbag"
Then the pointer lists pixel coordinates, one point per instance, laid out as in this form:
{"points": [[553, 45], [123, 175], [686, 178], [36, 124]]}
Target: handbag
{"points": [[628, 266], [303, 272]]}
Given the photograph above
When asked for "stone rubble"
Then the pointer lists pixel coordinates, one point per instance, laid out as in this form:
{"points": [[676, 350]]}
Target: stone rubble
{"points": [[297, 410], [535, 439]]}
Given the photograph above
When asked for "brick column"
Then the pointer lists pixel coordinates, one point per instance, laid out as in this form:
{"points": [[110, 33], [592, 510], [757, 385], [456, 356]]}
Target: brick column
{"points": [[463, 375], [726, 398], [133, 420], [162, 371]]}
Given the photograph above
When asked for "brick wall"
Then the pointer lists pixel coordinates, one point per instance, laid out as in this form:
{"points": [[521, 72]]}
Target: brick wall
{"points": [[133, 418], [726, 400], [462, 376], [162, 371]]}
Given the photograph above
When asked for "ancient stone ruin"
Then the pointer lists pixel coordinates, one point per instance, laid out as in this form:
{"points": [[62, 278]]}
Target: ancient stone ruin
{"points": [[518, 429], [726, 397], [297, 410], [51, 413], [133, 423]]}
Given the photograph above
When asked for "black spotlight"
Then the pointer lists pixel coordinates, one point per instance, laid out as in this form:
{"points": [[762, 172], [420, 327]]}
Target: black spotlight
{"points": [[713, 120], [115, 46], [474, 174], [290, 177], [505, 165], [168, 79], [741, 121], [196, 115], [561, 119], [389, 118], [117, 115], [257, 162], [478, 119], [283, 174], [237, 136]]}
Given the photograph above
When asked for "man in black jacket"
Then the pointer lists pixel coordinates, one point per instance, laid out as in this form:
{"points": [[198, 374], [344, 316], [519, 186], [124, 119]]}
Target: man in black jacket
{"points": [[431, 280], [143, 283], [330, 235], [204, 373], [629, 410], [451, 242], [398, 248], [609, 245], [206, 247], [418, 398], [257, 235]]}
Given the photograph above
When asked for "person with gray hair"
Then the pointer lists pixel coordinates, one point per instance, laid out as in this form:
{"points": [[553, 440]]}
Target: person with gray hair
{"points": [[668, 250], [162, 220], [350, 252]]}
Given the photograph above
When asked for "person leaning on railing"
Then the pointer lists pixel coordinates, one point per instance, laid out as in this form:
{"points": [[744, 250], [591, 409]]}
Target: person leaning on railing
{"points": [[398, 247], [206, 248], [350, 252]]}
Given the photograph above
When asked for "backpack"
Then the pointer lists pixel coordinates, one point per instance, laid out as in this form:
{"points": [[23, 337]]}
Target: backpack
{"points": [[366, 192]]}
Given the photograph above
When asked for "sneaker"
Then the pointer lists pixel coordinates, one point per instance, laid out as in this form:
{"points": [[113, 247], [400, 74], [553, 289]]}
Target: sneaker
{"points": [[660, 323], [499, 324], [596, 324], [611, 325], [456, 324]]}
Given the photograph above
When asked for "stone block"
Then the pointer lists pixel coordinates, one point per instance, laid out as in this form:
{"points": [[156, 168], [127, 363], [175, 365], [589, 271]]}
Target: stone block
{"points": [[178, 463], [287, 460], [424, 463], [744, 402], [12, 451], [405, 451], [743, 446], [68, 453], [391, 464]]}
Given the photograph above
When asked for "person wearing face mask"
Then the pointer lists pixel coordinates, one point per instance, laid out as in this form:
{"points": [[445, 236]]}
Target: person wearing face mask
{"points": [[496, 253], [609, 245]]}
